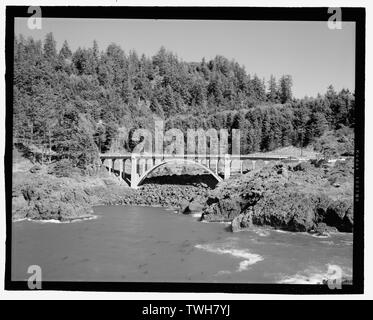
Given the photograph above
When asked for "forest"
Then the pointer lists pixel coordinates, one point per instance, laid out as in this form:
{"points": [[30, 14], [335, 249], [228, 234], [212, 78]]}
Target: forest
{"points": [[74, 104]]}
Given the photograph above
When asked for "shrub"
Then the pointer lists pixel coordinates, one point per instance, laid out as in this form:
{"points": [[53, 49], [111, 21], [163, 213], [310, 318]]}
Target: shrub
{"points": [[63, 168]]}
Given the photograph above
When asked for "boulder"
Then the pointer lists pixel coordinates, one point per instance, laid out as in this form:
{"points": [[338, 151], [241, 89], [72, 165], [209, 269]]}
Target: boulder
{"points": [[340, 215], [236, 223], [242, 221], [196, 205], [35, 168], [321, 229], [184, 207]]}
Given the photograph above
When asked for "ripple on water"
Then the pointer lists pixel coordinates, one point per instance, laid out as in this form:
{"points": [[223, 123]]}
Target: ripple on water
{"points": [[347, 242]]}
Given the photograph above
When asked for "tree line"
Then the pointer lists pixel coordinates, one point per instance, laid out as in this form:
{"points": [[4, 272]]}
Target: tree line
{"points": [[74, 103]]}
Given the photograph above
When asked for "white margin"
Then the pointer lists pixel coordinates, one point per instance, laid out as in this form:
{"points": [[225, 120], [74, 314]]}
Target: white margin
{"points": [[136, 295]]}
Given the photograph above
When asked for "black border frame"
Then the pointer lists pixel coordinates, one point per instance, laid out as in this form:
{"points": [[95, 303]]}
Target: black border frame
{"points": [[199, 13]]}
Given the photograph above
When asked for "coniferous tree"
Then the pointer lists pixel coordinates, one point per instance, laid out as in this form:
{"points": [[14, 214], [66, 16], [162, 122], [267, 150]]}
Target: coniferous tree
{"points": [[50, 50], [285, 85], [79, 98], [272, 95], [65, 51]]}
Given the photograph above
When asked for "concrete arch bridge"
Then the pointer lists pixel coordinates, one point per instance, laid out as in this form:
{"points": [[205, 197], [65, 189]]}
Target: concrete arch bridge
{"points": [[219, 166]]}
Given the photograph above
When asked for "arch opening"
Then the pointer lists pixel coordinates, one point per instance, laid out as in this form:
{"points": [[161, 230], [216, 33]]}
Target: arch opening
{"points": [[183, 162]]}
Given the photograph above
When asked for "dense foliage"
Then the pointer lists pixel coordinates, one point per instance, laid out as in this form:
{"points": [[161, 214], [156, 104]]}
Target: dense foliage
{"points": [[74, 103]]}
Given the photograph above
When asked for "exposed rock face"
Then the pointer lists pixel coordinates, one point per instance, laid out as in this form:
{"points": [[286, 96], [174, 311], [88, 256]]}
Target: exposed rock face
{"points": [[287, 210], [195, 205], [242, 221], [176, 196], [294, 198], [224, 209], [43, 196], [303, 197]]}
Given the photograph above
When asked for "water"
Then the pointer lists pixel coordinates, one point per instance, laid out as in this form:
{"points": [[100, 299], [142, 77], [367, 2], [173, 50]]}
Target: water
{"points": [[153, 244]]}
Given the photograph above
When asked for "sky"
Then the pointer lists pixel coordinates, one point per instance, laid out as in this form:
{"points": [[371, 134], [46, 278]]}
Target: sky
{"points": [[314, 55]]}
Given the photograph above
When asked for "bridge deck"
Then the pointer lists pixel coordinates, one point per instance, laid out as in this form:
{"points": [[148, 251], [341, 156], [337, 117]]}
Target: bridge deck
{"points": [[195, 156]]}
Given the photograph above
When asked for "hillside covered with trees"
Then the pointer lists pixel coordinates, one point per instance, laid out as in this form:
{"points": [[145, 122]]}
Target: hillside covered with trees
{"points": [[74, 103]]}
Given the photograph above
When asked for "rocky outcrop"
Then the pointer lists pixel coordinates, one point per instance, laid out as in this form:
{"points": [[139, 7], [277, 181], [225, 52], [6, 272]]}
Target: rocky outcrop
{"points": [[45, 197], [42, 196], [295, 198], [304, 197], [184, 198], [243, 221], [195, 205]]}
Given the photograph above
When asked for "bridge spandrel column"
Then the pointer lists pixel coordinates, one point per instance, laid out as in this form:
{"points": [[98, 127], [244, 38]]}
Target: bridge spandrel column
{"points": [[134, 174], [149, 163], [212, 162], [158, 159], [110, 165], [253, 163], [227, 166], [121, 168], [113, 166], [216, 166], [142, 165]]}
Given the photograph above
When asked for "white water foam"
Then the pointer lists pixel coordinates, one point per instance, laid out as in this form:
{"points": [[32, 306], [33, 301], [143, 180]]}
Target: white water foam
{"points": [[221, 222], [313, 276], [244, 265], [57, 221], [249, 258], [287, 232], [347, 242], [324, 236], [331, 243], [196, 215], [262, 232], [223, 272]]}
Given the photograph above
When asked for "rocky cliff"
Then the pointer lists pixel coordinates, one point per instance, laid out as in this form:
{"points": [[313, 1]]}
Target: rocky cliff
{"points": [[303, 197]]}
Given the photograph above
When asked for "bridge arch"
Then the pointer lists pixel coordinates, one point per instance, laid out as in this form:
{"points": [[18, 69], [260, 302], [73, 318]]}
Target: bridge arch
{"points": [[164, 162]]}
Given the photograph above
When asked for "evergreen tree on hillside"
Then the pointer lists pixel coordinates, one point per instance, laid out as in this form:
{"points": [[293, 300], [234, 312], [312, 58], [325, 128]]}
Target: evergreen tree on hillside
{"points": [[65, 51], [272, 95], [50, 51], [258, 89], [75, 101], [285, 85]]}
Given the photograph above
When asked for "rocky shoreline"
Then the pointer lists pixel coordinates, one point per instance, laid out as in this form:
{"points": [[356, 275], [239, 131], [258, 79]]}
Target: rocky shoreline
{"points": [[306, 197], [37, 195]]}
